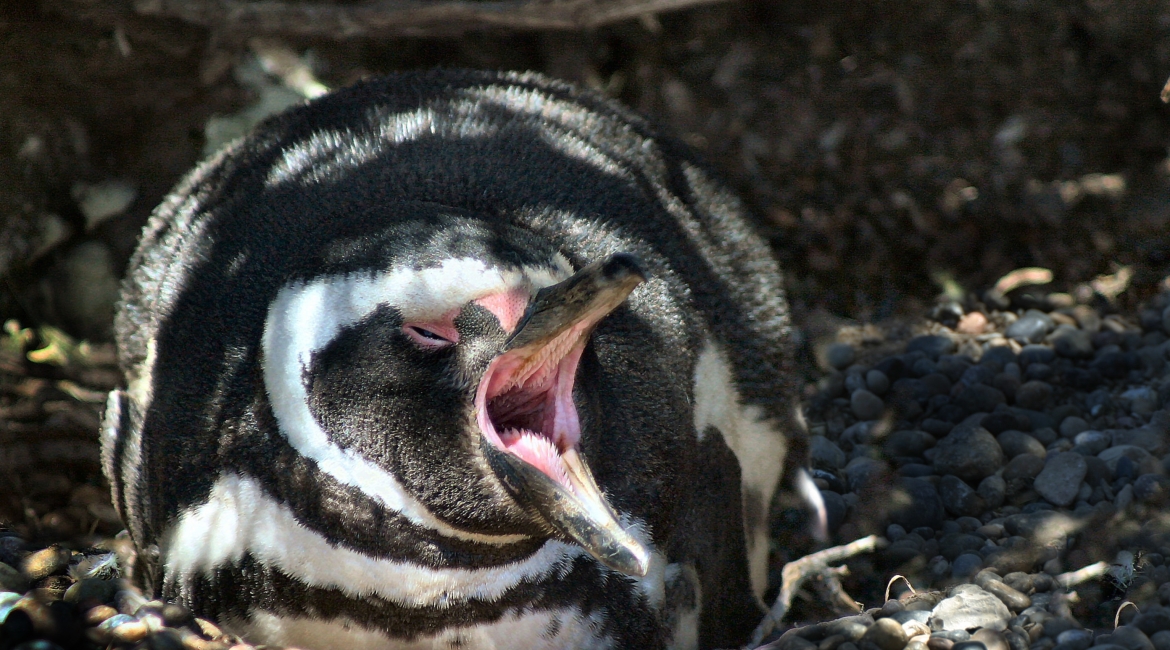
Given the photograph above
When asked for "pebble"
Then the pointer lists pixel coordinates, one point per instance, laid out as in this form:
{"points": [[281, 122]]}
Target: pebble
{"points": [[960, 499], [1033, 395], [923, 506], [981, 398], [1032, 327], [840, 355], [1091, 442], [11, 579], [991, 639], [1075, 639], [877, 382], [1010, 596], [1073, 425], [886, 634], [1161, 640], [45, 562], [908, 443], [1151, 488], [1061, 478], [933, 346], [866, 405], [1130, 638], [970, 453], [824, 453], [1013, 443]]}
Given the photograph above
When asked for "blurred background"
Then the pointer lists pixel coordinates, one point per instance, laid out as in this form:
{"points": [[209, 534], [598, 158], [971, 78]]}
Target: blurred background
{"points": [[891, 151]]}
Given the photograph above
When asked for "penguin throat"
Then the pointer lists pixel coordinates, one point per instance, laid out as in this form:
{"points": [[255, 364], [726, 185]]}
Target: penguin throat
{"points": [[524, 404]]}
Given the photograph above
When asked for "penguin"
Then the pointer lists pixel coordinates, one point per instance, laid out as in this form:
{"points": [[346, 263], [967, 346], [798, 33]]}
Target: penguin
{"points": [[455, 359]]}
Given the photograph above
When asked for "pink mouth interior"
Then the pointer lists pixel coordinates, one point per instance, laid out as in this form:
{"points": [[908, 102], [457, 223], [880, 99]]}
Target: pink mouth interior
{"points": [[524, 404]]}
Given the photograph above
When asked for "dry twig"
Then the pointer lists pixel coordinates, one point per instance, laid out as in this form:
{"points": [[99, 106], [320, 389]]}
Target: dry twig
{"points": [[815, 565]]}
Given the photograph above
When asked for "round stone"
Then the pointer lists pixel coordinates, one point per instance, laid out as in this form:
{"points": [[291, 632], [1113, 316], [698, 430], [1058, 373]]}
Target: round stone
{"points": [[1032, 327], [1072, 343], [1033, 395], [1093, 442], [993, 490], [908, 443], [1033, 353], [933, 346], [970, 607], [46, 562], [958, 498], [840, 355], [1073, 425], [970, 453], [886, 634], [825, 453], [1151, 488], [877, 381], [923, 508], [1015, 443], [866, 405], [1061, 478], [981, 398]]}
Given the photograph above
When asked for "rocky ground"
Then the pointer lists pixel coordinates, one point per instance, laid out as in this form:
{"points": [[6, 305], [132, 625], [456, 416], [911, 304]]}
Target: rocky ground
{"points": [[972, 200]]}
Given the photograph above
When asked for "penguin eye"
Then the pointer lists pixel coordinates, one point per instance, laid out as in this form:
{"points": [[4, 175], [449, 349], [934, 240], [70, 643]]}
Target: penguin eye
{"points": [[427, 337]]}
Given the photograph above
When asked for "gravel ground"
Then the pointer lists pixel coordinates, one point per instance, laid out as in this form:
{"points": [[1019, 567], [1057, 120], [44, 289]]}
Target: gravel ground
{"points": [[1014, 459]]}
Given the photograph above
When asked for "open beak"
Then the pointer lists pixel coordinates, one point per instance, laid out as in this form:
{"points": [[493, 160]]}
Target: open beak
{"points": [[524, 406]]}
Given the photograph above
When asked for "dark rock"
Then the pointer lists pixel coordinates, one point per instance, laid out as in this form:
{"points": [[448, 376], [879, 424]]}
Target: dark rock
{"points": [[993, 490], [1036, 354], [936, 383], [1154, 619], [1038, 372], [922, 367], [1072, 343], [886, 634], [908, 443], [969, 453], [1082, 378], [1130, 638], [1032, 327], [892, 367], [966, 565], [1033, 394], [1061, 478], [991, 639], [959, 498], [952, 545], [937, 428], [1072, 425], [1091, 443], [924, 507], [975, 375], [1000, 355], [1015, 443], [1148, 488], [824, 453], [981, 398], [866, 405], [1142, 461], [997, 423], [932, 346], [840, 355], [877, 382], [1114, 364]]}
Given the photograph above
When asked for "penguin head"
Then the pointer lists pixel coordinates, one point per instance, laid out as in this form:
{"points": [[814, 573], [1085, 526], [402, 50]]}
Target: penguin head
{"points": [[447, 385]]}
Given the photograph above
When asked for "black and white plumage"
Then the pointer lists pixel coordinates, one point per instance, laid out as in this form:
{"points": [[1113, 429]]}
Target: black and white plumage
{"points": [[385, 387]]}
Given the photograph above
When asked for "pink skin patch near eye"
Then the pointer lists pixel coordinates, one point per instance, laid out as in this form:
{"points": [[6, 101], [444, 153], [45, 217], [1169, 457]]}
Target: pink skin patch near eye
{"points": [[507, 306]]}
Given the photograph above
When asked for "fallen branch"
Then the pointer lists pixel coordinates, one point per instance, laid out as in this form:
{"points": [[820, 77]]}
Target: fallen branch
{"points": [[815, 565], [403, 17]]}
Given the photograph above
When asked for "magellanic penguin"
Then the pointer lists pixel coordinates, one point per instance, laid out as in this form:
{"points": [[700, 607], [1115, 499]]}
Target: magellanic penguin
{"points": [[454, 360]]}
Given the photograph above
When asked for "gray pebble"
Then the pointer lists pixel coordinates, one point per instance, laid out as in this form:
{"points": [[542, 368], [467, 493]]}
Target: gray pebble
{"points": [[825, 453], [866, 405], [981, 398], [1161, 640], [840, 355], [886, 634], [1151, 488], [1061, 478], [1130, 638], [969, 645], [1075, 639], [969, 453], [966, 565], [970, 607], [1073, 425], [877, 381], [1152, 620], [1033, 395], [11, 579], [1010, 597], [933, 346], [1072, 343], [1015, 443], [993, 490], [1093, 442], [959, 498], [1032, 327], [991, 639], [908, 443]]}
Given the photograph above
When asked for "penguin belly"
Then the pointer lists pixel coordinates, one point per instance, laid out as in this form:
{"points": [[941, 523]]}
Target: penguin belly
{"points": [[455, 359]]}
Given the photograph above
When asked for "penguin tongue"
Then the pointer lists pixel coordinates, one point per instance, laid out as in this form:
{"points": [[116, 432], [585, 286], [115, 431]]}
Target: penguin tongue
{"points": [[529, 425]]}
